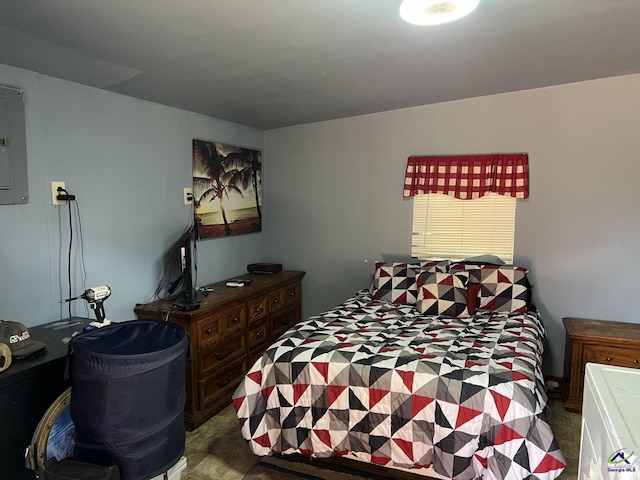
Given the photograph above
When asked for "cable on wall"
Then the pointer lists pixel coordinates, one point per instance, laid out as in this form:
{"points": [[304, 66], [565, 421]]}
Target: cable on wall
{"points": [[71, 199]]}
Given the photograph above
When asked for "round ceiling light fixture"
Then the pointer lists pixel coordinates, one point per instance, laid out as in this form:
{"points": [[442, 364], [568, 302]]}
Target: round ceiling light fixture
{"points": [[434, 12]]}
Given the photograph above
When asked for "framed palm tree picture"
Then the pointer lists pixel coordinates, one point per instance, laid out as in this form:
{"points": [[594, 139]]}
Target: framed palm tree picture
{"points": [[227, 189]]}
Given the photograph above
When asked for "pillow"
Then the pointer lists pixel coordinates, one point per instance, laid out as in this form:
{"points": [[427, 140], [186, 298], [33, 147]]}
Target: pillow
{"points": [[503, 288], [473, 269], [395, 282], [473, 289], [435, 266], [484, 259], [443, 294]]}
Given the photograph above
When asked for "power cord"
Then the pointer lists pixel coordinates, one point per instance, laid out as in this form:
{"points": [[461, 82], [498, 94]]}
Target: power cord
{"points": [[64, 195], [167, 278]]}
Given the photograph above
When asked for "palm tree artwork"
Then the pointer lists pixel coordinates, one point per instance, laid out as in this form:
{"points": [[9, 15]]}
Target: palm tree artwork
{"points": [[227, 189]]}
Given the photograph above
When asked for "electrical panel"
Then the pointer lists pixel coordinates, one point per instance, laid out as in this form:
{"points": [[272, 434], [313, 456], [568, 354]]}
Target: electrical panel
{"points": [[14, 186]]}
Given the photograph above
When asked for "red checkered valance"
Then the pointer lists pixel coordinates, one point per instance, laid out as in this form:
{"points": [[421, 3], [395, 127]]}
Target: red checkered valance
{"points": [[468, 176]]}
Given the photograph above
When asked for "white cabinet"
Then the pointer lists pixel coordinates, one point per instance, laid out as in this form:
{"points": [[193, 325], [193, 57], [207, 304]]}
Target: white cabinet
{"points": [[610, 437]]}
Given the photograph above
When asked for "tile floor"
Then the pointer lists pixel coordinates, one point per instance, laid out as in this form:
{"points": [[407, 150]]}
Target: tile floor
{"points": [[216, 450]]}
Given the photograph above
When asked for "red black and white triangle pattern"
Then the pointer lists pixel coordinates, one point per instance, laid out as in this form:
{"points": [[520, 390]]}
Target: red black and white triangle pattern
{"points": [[503, 288], [395, 282], [394, 387], [442, 293]]}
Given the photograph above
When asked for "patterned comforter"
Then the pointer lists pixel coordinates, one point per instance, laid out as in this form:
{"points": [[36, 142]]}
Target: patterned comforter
{"points": [[394, 387]]}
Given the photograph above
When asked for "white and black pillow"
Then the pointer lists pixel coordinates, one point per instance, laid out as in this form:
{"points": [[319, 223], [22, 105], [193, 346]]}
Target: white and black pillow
{"points": [[395, 282], [443, 294], [503, 288]]}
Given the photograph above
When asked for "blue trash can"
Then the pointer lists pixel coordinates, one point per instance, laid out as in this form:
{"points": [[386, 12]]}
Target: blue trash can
{"points": [[128, 395]]}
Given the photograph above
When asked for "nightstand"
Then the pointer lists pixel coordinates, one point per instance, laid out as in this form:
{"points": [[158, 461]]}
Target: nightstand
{"points": [[595, 341]]}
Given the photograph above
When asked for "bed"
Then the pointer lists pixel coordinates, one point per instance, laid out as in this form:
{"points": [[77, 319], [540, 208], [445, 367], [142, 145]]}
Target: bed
{"points": [[437, 365]]}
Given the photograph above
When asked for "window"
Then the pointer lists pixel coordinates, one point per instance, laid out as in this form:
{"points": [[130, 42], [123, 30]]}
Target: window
{"points": [[447, 227], [465, 205]]}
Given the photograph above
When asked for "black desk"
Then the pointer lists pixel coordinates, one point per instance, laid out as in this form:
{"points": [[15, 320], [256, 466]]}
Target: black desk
{"points": [[27, 388]]}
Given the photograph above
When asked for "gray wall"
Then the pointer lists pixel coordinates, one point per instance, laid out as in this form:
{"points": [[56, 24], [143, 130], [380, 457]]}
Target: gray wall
{"points": [[333, 196], [127, 161], [335, 205]]}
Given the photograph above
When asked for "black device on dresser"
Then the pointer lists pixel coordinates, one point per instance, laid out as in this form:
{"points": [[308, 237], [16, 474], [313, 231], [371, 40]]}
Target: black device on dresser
{"points": [[264, 267], [27, 388]]}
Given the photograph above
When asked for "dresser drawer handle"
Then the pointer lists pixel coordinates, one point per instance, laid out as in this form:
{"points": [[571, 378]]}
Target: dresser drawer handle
{"points": [[608, 359], [258, 309], [285, 320], [235, 320], [220, 356], [209, 330], [635, 362], [222, 383], [259, 333], [292, 293], [275, 300]]}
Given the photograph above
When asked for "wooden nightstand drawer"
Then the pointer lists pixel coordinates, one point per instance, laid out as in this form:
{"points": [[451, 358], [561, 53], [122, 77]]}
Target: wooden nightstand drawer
{"points": [[595, 341], [222, 353], [258, 308], [620, 357]]}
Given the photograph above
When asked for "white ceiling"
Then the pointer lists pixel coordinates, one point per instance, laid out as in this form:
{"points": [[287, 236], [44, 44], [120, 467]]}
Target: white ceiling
{"points": [[274, 63]]}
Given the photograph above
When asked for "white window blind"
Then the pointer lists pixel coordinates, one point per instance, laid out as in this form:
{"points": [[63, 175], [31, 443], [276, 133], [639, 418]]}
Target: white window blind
{"points": [[446, 227]]}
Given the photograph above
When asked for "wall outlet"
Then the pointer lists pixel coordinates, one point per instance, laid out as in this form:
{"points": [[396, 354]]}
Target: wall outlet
{"points": [[55, 193], [188, 196]]}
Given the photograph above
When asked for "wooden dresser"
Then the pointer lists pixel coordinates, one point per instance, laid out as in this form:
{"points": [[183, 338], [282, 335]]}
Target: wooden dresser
{"points": [[595, 341], [228, 333]]}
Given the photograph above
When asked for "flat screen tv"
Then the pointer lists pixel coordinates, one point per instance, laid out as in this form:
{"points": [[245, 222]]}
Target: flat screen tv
{"points": [[187, 298]]}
